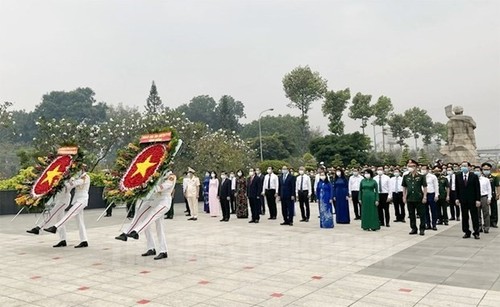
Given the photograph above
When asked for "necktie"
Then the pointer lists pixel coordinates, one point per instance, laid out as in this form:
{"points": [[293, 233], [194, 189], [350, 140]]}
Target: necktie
{"points": [[465, 180], [380, 184], [451, 181], [302, 183], [284, 178], [269, 182], [396, 186]]}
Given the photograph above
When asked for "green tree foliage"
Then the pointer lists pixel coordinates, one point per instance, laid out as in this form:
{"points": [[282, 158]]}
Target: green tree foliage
{"points": [[420, 123], [286, 127], [77, 105], [274, 147], [405, 156], [399, 128], [309, 162], [440, 132], [153, 103], [353, 163], [275, 164], [337, 161], [381, 110], [228, 114], [361, 109], [201, 109], [348, 146], [423, 158], [333, 108], [303, 86]]}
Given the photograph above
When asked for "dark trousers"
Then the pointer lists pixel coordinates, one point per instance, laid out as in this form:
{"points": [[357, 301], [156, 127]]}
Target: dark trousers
{"points": [[469, 209], [454, 209], [271, 203], [431, 210], [130, 210], [109, 211], [399, 206], [313, 195], [187, 206], [233, 202], [442, 210], [262, 205], [287, 206], [305, 211], [356, 204], [383, 209], [254, 208], [170, 212], [224, 204], [494, 211], [420, 210]]}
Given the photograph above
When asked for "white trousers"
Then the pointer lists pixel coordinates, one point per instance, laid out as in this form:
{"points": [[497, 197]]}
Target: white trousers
{"points": [[55, 214], [76, 211]]}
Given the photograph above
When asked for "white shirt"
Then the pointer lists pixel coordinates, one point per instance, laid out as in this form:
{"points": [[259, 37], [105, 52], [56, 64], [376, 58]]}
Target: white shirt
{"points": [[233, 183], [383, 181], [451, 181], [273, 185], [354, 182], [305, 180], [395, 185], [163, 191], [432, 184], [81, 185], [485, 186]]}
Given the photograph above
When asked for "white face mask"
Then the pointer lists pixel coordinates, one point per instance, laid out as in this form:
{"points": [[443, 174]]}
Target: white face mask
{"points": [[411, 169], [322, 177], [424, 172], [338, 174], [449, 172], [251, 173], [231, 175], [380, 172], [240, 173], [301, 172], [396, 174], [223, 176], [355, 173], [269, 171], [284, 171], [213, 175], [368, 176]]}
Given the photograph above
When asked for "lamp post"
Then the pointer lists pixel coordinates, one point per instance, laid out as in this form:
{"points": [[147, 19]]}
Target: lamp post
{"points": [[260, 133]]}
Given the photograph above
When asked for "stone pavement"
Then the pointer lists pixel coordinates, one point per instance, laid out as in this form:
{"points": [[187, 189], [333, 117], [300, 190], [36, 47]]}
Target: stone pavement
{"points": [[240, 264]]}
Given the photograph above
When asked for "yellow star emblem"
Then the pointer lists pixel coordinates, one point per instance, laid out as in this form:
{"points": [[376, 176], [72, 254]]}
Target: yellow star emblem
{"points": [[51, 175], [143, 167]]}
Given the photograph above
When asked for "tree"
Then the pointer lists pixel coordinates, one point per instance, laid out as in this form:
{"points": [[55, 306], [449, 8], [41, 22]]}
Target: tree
{"points": [[440, 132], [303, 86], [333, 108], [274, 147], [201, 109], [337, 161], [153, 103], [399, 128], [405, 156], [285, 126], [361, 109], [77, 105], [228, 113], [348, 146], [420, 124], [423, 159], [381, 111]]}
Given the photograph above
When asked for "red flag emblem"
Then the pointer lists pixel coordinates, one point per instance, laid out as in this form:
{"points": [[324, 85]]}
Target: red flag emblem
{"points": [[144, 165], [51, 176]]}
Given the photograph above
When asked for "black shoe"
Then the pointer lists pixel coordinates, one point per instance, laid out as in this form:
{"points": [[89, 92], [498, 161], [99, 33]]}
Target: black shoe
{"points": [[51, 229], [34, 231], [256, 221], [161, 256], [396, 221], [150, 252], [458, 219], [223, 220], [403, 221], [226, 220], [413, 232], [82, 244], [307, 220], [303, 220], [252, 221], [480, 230], [486, 231], [387, 225], [494, 226], [270, 218], [466, 236], [290, 224], [476, 237], [434, 228], [133, 234], [357, 218], [187, 214], [186, 211], [122, 237], [107, 215], [428, 227], [445, 223], [440, 223], [60, 244], [422, 233], [452, 219]]}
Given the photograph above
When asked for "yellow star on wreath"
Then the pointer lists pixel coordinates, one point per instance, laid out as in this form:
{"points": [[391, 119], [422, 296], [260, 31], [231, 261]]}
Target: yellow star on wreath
{"points": [[143, 167], [51, 175]]}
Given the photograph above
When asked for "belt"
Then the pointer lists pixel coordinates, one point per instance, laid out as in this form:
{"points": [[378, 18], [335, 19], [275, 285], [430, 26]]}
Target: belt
{"points": [[484, 195]]}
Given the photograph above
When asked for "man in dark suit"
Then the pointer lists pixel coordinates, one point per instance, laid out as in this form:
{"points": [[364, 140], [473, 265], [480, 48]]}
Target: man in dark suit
{"points": [[286, 192], [254, 188], [224, 195], [259, 174], [469, 198]]}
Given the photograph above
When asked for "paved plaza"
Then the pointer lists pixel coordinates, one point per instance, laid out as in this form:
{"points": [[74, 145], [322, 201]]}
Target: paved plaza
{"points": [[239, 264]]}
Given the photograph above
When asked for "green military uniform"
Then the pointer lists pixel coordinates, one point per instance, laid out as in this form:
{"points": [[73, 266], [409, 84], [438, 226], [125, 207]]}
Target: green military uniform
{"points": [[442, 203], [495, 182], [414, 185]]}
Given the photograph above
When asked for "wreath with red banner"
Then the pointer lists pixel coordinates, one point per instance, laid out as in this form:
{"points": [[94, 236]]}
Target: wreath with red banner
{"points": [[138, 167], [48, 178]]}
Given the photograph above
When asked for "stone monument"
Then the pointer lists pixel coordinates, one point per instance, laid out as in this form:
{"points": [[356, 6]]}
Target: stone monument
{"points": [[461, 144]]}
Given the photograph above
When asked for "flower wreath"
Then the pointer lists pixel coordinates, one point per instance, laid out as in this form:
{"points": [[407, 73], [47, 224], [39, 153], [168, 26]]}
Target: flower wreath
{"points": [[122, 186], [28, 196]]}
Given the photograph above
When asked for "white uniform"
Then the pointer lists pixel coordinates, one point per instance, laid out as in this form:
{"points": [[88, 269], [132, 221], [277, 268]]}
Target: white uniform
{"points": [[152, 210], [61, 201], [81, 184]]}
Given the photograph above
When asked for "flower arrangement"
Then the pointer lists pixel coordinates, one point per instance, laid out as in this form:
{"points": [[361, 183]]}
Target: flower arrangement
{"points": [[39, 185], [137, 169]]}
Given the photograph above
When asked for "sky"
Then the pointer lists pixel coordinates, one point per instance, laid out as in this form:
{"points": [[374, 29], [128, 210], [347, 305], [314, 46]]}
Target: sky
{"points": [[419, 53]]}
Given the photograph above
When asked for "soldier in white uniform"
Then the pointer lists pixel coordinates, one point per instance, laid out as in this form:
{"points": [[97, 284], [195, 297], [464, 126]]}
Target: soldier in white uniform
{"points": [[61, 202], [81, 184], [151, 210]]}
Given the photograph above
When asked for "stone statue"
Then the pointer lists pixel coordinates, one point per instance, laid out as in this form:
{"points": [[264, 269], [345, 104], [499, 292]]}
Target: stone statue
{"points": [[461, 144]]}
